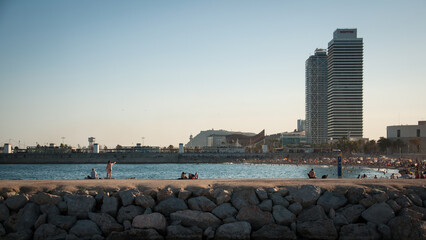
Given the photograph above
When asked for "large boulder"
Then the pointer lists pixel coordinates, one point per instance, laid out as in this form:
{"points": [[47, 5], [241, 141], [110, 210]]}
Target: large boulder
{"points": [[261, 194], [64, 222], [145, 201], [283, 216], [404, 227], [379, 195], [394, 205], [80, 205], [127, 197], [135, 234], [50, 209], [177, 232], [378, 213], [109, 205], [295, 208], [200, 219], [4, 212], [221, 195], [358, 231], [416, 199], [256, 217], [184, 194], [154, 220], [42, 198], [2, 230], [321, 229], [105, 222], [85, 229], [224, 210], [244, 198], [16, 202], [42, 219], [355, 194], [201, 204], [49, 231], [307, 195], [404, 201], [27, 216], [313, 213], [171, 205], [278, 199], [236, 230], [165, 194], [128, 213], [274, 232], [332, 200]]}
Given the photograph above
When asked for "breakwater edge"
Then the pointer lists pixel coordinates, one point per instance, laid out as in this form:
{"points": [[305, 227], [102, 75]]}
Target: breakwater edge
{"points": [[213, 209]]}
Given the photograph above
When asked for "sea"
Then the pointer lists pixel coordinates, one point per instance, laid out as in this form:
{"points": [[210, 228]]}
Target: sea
{"points": [[173, 171]]}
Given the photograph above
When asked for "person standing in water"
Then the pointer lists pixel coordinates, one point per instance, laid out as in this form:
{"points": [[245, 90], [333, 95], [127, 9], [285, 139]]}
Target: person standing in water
{"points": [[109, 169]]}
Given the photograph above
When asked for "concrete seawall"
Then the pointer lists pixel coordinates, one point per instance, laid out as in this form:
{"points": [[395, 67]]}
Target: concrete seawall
{"points": [[213, 209]]}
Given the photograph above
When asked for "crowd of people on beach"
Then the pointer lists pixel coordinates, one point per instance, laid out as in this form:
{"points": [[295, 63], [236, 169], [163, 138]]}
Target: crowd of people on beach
{"points": [[190, 176]]}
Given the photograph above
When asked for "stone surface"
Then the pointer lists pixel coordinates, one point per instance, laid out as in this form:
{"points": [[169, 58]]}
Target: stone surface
{"points": [[229, 220], [404, 201], [64, 222], [274, 231], [313, 213], [394, 205], [283, 216], [332, 200], [256, 217], [321, 229], [378, 213], [415, 199], [236, 230], [135, 234], [200, 219], [27, 216], [4, 212], [208, 233], [177, 232], [221, 195], [42, 219], [165, 194], [352, 213], [80, 205], [105, 222], [184, 194], [201, 204], [224, 210], [295, 208], [411, 213], [355, 195], [385, 231], [128, 197], [404, 227], [63, 207], [170, 205], [154, 220], [278, 199], [420, 210], [128, 213], [49, 231], [20, 235], [50, 209], [380, 196], [42, 198], [16, 202], [127, 225], [358, 231], [307, 195], [243, 198], [110, 205], [368, 201], [85, 229], [145, 201], [266, 205], [261, 194]]}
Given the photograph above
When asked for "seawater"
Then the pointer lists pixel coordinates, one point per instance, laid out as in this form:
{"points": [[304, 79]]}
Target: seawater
{"points": [[173, 171]]}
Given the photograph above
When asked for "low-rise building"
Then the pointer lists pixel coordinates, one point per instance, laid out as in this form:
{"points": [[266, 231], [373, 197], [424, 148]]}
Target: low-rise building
{"points": [[414, 136]]}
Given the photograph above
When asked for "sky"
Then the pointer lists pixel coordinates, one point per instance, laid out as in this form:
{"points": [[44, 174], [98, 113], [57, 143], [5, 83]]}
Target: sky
{"points": [[155, 72]]}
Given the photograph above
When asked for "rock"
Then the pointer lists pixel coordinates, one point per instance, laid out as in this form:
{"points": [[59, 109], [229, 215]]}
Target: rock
{"points": [[332, 200], [80, 205], [261, 194], [50, 209], [127, 225], [145, 201], [221, 195], [394, 205], [4, 212], [64, 222], [200, 219], [63, 207], [392, 194], [404, 201], [109, 205], [283, 216], [368, 201], [128, 213], [201, 204], [85, 229], [206, 192], [16, 202], [355, 195], [9, 194], [27, 216], [283, 191], [358, 231], [177, 232], [154, 220], [340, 220], [105, 222], [97, 237], [274, 231], [380, 195], [20, 235], [244, 198], [170, 205], [411, 213], [71, 237], [128, 197], [42, 198], [420, 210], [165, 194], [225, 210], [11, 223], [2, 230], [385, 231], [237, 230], [313, 213], [295, 208], [331, 213], [307, 195], [208, 233], [256, 217], [293, 227], [378, 213], [135, 234], [352, 213], [415, 199], [184, 194], [100, 196], [321, 229], [49, 231], [278, 199], [404, 227], [424, 203], [266, 205], [148, 211], [42, 219]]}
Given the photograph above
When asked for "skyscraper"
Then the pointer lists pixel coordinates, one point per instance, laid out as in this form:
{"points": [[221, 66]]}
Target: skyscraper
{"points": [[316, 97], [345, 81]]}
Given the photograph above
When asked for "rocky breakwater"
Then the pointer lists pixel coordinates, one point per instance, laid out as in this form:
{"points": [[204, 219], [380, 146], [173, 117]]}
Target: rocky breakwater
{"points": [[305, 212]]}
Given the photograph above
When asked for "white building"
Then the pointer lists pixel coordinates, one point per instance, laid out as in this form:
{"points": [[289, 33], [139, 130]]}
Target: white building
{"points": [[412, 135], [7, 148]]}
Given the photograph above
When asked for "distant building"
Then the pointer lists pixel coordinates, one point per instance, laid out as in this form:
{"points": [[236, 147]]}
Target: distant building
{"points": [[7, 148], [414, 136], [214, 138], [316, 97], [293, 138], [345, 85], [301, 125]]}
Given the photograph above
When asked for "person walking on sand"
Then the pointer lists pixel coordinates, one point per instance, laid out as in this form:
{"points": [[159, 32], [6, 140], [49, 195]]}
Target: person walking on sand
{"points": [[109, 169]]}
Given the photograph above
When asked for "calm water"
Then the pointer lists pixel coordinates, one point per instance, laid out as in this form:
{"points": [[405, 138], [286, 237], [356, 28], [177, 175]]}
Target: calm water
{"points": [[171, 171]]}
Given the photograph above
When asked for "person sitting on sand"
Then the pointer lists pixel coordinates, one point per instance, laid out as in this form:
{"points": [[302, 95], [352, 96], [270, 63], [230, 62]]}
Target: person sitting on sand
{"points": [[325, 176], [183, 175], [311, 174], [93, 174], [109, 169], [196, 175], [190, 176]]}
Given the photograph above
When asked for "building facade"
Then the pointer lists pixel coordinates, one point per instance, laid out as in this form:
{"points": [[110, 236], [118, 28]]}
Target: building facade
{"points": [[316, 97], [413, 136], [345, 85]]}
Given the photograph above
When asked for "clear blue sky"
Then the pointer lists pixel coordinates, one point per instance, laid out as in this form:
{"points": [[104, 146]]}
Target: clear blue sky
{"points": [[162, 70]]}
